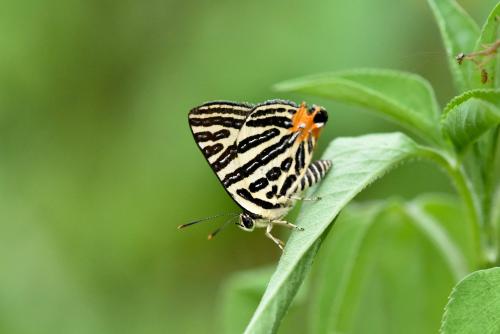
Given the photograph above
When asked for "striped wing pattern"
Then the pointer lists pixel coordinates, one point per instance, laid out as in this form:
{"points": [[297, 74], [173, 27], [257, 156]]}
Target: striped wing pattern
{"points": [[271, 160], [257, 153], [215, 127]]}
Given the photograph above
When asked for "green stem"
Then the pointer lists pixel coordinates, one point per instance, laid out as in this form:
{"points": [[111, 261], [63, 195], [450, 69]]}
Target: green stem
{"points": [[495, 220], [466, 192], [473, 204], [489, 195], [495, 207], [479, 227]]}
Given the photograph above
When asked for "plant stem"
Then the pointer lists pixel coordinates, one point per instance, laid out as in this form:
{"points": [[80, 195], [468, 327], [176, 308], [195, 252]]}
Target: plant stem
{"points": [[495, 220], [489, 195], [495, 207], [466, 192], [486, 255]]}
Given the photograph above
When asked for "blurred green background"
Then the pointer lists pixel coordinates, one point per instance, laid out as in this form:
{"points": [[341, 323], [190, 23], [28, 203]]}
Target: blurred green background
{"points": [[98, 167]]}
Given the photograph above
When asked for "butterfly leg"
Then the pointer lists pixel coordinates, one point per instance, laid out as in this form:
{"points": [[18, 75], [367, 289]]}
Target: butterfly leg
{"points": [[277, 241], [298, 198], [287, 225]]}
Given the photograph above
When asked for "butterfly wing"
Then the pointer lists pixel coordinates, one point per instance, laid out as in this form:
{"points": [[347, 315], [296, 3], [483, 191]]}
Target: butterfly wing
{"points": [[273, 154], [215, 127]]}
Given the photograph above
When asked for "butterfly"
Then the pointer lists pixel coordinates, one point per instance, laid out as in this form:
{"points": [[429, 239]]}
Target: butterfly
{"points": [[262, 156]]}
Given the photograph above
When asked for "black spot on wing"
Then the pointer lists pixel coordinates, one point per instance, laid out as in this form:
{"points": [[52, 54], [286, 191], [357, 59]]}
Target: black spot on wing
{"points": [[286, 164], [211, 136], [278, 121], [259, 184], [229, 154], [273, 174], [211, 150], [289, 181], [272, 193], [257, 201], [228, 122]]}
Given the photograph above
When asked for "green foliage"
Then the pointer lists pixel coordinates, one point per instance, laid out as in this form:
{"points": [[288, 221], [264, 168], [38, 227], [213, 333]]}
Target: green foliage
{"points": [[474, 304], [98, 166], [405, 98], [364, 278], [389, 266], [460, 34], [489, 34], [470, 115], [358, 162], [242, 293]]}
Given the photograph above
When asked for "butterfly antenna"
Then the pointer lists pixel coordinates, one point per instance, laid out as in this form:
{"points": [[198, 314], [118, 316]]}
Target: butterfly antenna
{"points": [[205, 219], [220, 228]]}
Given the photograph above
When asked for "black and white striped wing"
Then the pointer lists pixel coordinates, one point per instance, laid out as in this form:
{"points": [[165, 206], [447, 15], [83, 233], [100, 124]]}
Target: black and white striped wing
{"points": [[272, 160], [215, 127]]}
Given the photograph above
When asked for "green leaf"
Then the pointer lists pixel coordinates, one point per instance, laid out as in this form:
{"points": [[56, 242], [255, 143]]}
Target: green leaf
{"points": [[451, 215], [470, 115], [381, 266], [339, 259], [440, 238], [356, 163], [241, 294], [474, 304], [459, 33], [489, 34], [402, 97]]}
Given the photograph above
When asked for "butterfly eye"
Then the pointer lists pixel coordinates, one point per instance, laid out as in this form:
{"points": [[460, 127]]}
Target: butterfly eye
{"points": [[321, 116], [246, 222]]}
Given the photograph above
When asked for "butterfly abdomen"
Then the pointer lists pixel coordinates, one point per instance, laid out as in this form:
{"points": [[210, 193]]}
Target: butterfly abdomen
{"points": [[315, 173]]}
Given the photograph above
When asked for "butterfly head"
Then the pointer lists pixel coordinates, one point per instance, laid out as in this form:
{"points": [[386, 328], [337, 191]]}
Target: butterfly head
{"points": [[320, 116], [309, 121], [246, 223]]}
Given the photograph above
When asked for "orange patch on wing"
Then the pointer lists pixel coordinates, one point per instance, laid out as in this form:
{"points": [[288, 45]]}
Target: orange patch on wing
{"points": [[305, 120]]}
